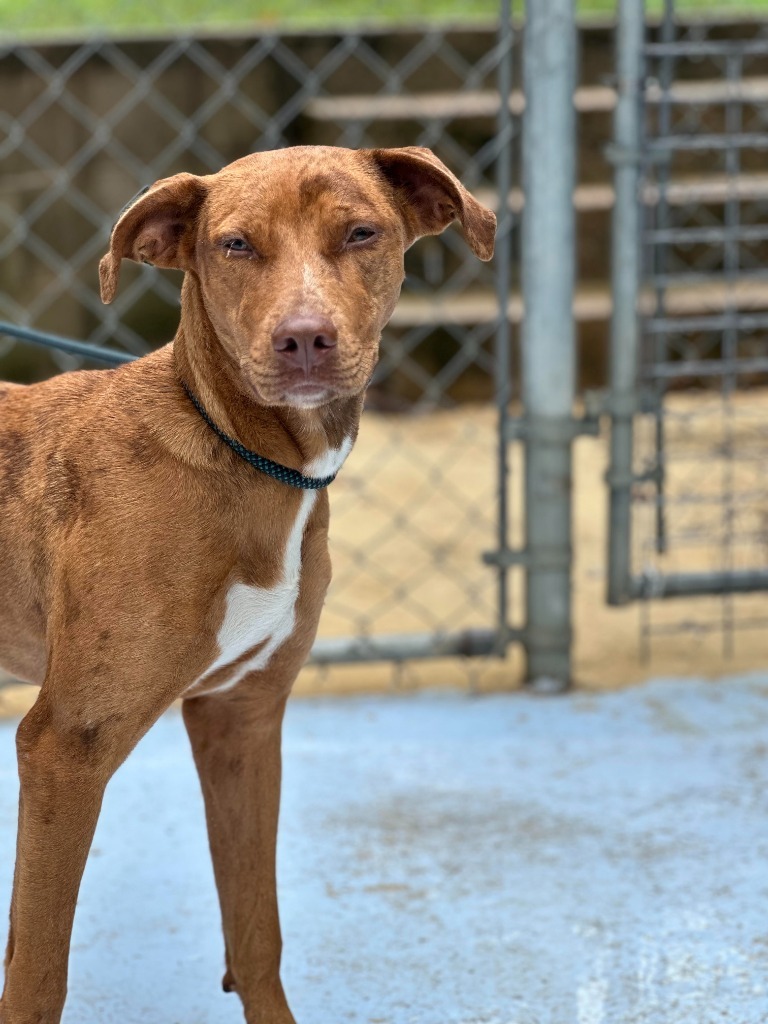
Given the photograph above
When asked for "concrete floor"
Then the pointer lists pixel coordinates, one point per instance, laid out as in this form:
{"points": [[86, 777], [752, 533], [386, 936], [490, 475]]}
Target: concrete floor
{"points": [[455, 860]]}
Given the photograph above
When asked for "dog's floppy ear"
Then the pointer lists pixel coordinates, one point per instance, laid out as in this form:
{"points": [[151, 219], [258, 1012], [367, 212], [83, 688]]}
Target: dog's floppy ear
{"points": [[157, 226], [430, 197]]}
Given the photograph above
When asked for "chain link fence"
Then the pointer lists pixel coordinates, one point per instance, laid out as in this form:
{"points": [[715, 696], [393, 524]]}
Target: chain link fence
{"points": [[84, 125]]}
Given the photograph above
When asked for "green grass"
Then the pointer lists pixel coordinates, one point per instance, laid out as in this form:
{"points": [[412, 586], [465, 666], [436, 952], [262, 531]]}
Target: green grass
{"points": [[47, 17]]}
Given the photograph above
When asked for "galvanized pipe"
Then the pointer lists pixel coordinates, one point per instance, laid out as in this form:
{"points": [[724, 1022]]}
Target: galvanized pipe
{"points": [[471, 643], [548, 340], [504, 135], [656, 261], [75, 348], [696, 143], [625, 285], [707, 367], [708, 48], [699, 584], [708, 322]]}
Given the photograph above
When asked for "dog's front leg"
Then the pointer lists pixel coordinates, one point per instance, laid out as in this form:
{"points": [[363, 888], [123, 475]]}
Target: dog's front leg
{"points": [[236, 744], [68, 748]]}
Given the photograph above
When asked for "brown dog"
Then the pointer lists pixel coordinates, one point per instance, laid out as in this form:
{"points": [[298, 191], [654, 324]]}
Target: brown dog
{"points": [[143, 560]]}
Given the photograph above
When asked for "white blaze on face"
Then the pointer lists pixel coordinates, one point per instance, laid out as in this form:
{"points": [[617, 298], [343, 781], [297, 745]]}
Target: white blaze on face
{"points": [[267, 615], [312, 294]]}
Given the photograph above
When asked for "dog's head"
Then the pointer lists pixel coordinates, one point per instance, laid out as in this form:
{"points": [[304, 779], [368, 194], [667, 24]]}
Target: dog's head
{"points": [[299, 256]]}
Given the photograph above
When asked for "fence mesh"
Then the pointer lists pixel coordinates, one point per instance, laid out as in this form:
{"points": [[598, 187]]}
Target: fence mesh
{"points": [[704, 507], [85, 125]]}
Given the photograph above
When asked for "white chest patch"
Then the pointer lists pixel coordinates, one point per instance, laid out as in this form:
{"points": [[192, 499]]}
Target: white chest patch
{"points": [[264, 617]]}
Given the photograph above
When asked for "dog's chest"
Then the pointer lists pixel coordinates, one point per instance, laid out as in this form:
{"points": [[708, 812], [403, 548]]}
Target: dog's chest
{"points": [[258, 620]]}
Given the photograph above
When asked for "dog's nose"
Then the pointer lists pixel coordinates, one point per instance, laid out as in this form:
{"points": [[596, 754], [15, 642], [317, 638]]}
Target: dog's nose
{"points": [[304, 340]]}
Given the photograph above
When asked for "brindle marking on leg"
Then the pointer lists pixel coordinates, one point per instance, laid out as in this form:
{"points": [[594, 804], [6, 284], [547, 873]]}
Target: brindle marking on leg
{"points": [[72, 605], [89, 734]]}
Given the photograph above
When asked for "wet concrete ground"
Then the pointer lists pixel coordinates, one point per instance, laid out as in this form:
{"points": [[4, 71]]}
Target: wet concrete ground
{"points": [[455, 860]]}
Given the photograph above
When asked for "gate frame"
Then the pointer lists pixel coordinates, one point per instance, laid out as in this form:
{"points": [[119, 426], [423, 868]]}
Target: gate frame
{"points": [[624, 398]]}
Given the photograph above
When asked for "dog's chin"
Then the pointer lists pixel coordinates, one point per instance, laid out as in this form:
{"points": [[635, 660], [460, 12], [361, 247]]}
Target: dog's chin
{"points": [[307, 396], [297, 396], [304, 395]]}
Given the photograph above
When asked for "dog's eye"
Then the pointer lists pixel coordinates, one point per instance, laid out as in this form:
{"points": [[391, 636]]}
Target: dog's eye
{"points": [[237, 245], [360, 234]]}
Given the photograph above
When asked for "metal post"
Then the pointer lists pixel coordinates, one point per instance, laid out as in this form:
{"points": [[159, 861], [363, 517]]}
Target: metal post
{"points": [[548, 343], [504, 137], [660, 267], [625, 283]]}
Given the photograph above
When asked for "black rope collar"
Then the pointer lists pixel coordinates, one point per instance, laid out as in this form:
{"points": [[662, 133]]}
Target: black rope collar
{"points": [[284, 474]]}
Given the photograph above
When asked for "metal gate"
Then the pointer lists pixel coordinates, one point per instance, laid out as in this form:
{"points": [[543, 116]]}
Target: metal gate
{"points": [[689, 343]]}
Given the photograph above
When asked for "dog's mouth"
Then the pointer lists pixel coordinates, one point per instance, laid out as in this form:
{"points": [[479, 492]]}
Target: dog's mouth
{"points": [[301, 390]]}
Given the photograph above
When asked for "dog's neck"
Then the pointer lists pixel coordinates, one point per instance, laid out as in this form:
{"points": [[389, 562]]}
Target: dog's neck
{"points": [[293, 437]]}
